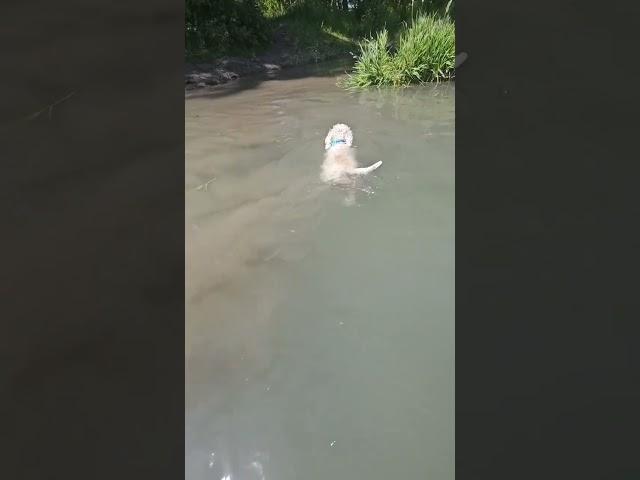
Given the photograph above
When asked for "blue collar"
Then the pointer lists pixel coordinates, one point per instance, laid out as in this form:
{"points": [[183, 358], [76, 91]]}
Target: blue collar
{"points": [[337, 142]]}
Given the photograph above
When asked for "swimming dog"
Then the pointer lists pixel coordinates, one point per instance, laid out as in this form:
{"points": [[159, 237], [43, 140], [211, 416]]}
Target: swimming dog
{"points": [[340, 164]]}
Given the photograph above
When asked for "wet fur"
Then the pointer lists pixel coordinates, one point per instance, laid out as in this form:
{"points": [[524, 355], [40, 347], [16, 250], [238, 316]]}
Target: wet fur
{"points": [[340, 165]]}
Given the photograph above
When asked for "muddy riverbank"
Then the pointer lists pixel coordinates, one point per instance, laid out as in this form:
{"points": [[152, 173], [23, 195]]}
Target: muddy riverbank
{"points": [[283, 53]]}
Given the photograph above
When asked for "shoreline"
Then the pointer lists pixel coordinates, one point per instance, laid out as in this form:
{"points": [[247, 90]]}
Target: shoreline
{"points": [[228, 69], [283, 53]]}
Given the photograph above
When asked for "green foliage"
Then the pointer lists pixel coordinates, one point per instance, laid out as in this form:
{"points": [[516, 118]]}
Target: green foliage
{"points": [[276, 8], [374, 15], [374, 65], [224, 26], [392, 54], [425, 52], [449, 9], [317, 30]]}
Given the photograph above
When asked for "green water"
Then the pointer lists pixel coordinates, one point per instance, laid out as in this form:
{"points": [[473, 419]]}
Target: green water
{"points": [[320, 321]]}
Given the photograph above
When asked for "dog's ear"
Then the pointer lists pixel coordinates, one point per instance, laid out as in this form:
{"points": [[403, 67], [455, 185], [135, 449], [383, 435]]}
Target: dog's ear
{"points": [[327, 141], [349, 137]]}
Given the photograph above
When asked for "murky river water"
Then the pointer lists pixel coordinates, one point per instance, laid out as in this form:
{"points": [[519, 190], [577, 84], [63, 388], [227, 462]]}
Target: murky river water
{"points": [[320, 321]]}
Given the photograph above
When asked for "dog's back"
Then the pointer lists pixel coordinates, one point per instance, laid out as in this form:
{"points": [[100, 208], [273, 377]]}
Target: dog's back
{"points": [[340, 161]]}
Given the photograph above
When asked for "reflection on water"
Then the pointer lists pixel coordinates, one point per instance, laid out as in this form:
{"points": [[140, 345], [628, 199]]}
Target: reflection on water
{"points": [[319, 333]]}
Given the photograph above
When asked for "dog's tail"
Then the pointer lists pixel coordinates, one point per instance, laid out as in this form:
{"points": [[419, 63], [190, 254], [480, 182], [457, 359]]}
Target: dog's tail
{"points": [[365, 170]]}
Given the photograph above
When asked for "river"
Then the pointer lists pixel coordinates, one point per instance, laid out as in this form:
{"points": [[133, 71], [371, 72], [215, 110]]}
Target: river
{"points": [[319, 320]]}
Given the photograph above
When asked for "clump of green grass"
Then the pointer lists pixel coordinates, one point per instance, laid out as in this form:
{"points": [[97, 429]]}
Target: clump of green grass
{"points": [[374, 65], [425, 53]]}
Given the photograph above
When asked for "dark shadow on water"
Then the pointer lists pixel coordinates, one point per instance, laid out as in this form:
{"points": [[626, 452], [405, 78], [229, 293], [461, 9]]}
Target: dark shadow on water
{"points": [[330, 68]]}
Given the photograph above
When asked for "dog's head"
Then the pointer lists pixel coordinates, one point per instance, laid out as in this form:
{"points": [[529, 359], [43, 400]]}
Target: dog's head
{"points": [[339, 134]]}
